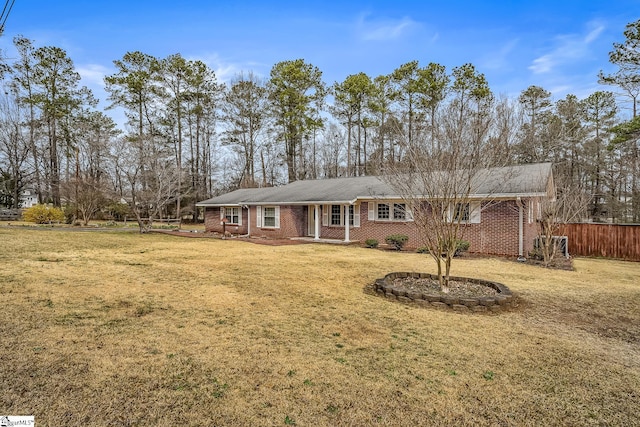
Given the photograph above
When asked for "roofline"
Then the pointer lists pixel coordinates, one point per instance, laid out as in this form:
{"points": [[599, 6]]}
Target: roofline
{"points": [[486, 196], [501, 196], [270, 202]]}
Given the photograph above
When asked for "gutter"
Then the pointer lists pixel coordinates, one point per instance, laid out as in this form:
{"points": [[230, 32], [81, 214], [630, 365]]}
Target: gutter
{"points": [[481, 197]]}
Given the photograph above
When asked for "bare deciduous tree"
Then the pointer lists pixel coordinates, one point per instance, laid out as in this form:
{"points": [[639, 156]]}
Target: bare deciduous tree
{"points": [[150, 182], [569, 205]]}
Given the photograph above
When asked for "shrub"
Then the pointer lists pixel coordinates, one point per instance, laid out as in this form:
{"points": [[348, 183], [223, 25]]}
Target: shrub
{"points": [[397, 240], [119, 211], [462, 246], [70, 215], [42, 214], [371, 243], [423, 250]]}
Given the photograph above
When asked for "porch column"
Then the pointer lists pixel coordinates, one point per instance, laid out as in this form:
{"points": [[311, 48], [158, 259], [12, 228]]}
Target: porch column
{"points": [[346, 223], [316, 211], [520, 229], [248, 220]]}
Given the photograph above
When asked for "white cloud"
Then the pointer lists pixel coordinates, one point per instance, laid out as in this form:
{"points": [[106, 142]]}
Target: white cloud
{"points": [[499, 59], [594, 33], [389, 29], [93, 74], [225, 71], [567, 49], [543, 64]]}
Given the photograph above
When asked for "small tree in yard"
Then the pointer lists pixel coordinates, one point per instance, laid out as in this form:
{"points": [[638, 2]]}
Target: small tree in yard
{"points": [[569, 205], [445, 184], [442, 202], [149, 180]]}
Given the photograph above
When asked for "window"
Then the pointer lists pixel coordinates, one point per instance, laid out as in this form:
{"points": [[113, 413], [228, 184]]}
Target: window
{"points": [[389, 212], [465, 213], [232, 215], [399, 211], [461, 212], [269, 217], [336, 214], [383, 211]]}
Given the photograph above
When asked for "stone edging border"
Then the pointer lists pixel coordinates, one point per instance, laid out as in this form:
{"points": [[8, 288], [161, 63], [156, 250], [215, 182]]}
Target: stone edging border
{"points": [[501, 302]]}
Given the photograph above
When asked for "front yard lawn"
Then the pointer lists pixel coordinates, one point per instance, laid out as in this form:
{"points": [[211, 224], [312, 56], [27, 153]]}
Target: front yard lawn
{"points": [[128, 329]]}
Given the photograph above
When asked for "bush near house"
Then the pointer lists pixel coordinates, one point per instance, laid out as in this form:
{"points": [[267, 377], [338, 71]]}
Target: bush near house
{"points": [[397, 240], [371, 243], [462, 246], [43, 214]]}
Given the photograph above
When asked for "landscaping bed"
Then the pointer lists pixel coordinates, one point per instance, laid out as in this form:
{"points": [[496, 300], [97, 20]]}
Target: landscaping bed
{"points": [[465, 294]]}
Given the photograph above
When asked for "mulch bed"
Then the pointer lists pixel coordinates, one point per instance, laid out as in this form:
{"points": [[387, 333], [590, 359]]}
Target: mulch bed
{"points": [[456, 288], [558, 263]]}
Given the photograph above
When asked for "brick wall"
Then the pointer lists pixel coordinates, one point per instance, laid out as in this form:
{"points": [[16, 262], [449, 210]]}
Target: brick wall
{"points": [[293, 223], [498, 231], [213, 224], [530, 224], [496, 234], [379, 230]]}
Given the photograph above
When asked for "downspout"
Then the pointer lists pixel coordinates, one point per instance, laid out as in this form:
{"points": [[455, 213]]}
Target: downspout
{"points": [[521, 257]]}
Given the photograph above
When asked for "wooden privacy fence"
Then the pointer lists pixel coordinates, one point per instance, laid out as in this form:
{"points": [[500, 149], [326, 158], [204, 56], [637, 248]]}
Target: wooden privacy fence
{"points": [[620, 241], [10, 214]]}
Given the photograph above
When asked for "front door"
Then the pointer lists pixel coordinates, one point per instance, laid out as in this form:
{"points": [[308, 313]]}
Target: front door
{"points": [[311, 221]]}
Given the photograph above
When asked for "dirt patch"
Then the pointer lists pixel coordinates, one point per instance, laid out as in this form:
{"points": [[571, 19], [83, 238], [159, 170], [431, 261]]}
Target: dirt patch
{"points": [[273, 242], [558, 263], [256, 240]]}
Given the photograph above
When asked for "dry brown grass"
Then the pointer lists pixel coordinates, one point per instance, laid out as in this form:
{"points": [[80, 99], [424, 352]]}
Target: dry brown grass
{"points": [[124, 329]]}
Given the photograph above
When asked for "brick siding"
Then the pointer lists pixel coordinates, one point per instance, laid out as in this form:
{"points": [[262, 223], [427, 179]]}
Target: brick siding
{"points": [[496, 234], [213, 223]]}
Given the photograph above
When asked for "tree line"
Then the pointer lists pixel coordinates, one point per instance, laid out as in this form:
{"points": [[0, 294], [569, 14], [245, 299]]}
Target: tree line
{"points": [[188, 136]]}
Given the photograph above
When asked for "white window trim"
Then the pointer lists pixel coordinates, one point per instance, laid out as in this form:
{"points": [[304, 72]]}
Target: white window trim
{"points": [[327, 211], [332, 215], [223, 214], [356, 215], [474, 212], [373, 211], [260, 217]]}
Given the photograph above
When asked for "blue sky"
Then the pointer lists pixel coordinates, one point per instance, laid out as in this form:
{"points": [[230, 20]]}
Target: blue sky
{"points": [[559, 45]]}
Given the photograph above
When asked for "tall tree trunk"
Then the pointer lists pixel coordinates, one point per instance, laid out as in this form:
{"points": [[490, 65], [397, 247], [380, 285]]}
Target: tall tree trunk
{"points": [[349, 146], [264, 168], [55, 166]]}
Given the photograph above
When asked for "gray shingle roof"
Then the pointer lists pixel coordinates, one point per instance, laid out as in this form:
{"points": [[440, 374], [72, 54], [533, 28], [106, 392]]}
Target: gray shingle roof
{"points": [[506, 182]]}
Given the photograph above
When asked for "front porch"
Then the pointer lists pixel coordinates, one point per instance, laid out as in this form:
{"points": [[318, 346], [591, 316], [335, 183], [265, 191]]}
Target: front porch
{"points": [[323, 240], [336, 216]]}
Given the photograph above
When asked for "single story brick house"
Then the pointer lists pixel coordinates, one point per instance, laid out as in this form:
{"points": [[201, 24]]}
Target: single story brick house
{"points": [[500, 217]]}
